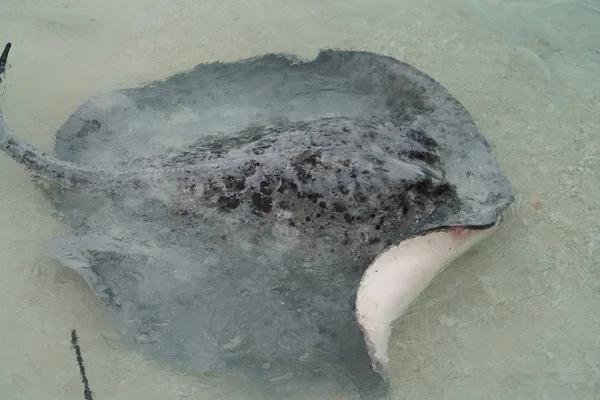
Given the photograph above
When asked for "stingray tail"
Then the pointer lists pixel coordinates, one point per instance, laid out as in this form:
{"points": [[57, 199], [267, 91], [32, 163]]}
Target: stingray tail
{"points": [[3, 59], [42, 165]]}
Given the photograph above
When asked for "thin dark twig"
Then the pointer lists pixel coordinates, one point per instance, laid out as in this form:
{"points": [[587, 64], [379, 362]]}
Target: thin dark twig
{"points": [[4, 57], [87, 392]]}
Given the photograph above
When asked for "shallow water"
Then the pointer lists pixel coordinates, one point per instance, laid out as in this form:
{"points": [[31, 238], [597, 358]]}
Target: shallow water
{"points": [[516, 318]]}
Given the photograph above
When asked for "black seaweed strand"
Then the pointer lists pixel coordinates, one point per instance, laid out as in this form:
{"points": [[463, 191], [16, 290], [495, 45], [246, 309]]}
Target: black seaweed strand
{"points": [[87, 392]]}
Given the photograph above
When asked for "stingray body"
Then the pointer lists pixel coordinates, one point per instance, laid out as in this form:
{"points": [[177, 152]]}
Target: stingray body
{"points": [[227, 215]]}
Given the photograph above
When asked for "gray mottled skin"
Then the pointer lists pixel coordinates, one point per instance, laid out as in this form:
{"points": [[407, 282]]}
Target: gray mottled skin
{"points": [[226, 215]]}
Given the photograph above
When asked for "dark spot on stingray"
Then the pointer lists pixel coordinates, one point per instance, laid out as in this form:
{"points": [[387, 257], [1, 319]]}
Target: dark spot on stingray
{"points": [[232, 182], [109, 298], [89, 127], [283, 186], [427, 141], [150, 206], [344, 190], [260, 148], [314, 197], [262, 202], [444, 189], [313, 159], [229, 202], [264, 188], [337, 207], [303, 175]]}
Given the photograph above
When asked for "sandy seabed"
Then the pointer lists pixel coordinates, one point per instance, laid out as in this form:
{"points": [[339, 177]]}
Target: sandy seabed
{"points": [[517, 318]]}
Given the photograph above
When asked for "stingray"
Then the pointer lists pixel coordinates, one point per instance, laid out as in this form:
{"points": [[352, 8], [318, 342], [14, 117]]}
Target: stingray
{"points": [[269, 218]]}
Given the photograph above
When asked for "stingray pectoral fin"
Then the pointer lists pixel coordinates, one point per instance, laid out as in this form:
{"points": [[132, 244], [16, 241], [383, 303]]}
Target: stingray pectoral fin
{"points": [[42, 165], [397, 277]]}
